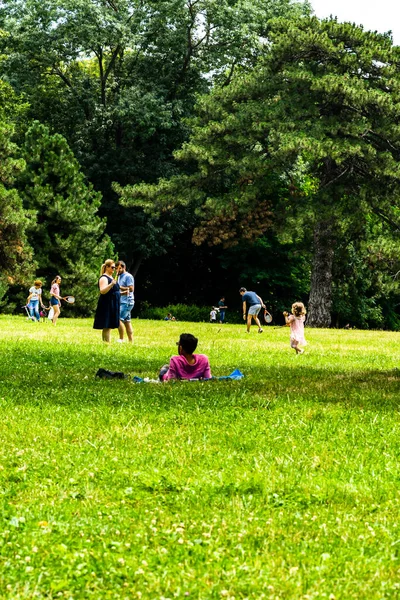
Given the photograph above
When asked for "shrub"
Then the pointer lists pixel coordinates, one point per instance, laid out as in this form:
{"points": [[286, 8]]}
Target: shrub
{"points": [[182, 312]]}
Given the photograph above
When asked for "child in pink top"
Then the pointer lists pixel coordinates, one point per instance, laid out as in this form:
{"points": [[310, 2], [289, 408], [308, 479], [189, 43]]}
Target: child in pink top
{"points": [[296, 322], [187, 365]]}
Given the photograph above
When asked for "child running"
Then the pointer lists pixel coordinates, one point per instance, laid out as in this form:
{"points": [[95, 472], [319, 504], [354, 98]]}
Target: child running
{"points": [[187, 365], [296, 322]]}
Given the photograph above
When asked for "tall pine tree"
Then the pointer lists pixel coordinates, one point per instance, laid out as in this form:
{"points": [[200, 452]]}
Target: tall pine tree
{"points": [[15, 252], [68, 236], [310, 134]]}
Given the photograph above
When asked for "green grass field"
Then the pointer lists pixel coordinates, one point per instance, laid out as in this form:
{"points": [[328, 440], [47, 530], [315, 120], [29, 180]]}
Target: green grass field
{"points": [[285, 485]]}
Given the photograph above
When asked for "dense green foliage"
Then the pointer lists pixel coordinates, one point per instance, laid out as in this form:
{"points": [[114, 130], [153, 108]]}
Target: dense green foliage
{"points": [[67, 236], [181, 312], [307, 142], [283, 485], [15, 251], [230, 123], [118, 78]]}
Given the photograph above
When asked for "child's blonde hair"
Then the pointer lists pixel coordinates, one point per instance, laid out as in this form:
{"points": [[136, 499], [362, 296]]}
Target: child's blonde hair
{"points": [[298, 309]]}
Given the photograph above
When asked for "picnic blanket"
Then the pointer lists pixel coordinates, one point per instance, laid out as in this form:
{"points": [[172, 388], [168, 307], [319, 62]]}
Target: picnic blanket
{"points": [[235, 375]]}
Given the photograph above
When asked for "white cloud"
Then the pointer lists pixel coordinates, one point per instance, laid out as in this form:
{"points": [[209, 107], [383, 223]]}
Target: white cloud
{"points": [[381, 16]]}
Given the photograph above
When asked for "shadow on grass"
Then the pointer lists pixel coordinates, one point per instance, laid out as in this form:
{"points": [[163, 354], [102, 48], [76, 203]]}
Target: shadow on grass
{"points": [[378, 388], [66, 377]]}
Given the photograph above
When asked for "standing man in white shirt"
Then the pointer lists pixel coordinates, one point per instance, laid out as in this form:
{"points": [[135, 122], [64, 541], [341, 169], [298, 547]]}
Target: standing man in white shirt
{"points": [[127, 286]]}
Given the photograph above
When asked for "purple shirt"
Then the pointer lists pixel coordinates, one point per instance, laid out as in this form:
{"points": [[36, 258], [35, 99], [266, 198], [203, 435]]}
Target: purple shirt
{"points": [[179, 368]]}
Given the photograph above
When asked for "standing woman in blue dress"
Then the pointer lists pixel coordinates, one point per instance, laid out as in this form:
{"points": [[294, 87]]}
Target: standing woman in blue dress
{"points": [[107, 311]]}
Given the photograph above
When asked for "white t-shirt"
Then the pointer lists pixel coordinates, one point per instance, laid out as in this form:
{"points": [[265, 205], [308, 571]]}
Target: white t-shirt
{"points": [[36, 293]]}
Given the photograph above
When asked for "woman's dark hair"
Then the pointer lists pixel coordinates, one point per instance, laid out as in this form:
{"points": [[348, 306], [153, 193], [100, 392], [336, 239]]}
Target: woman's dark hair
{"points": [[188, 342], [55, 279]]}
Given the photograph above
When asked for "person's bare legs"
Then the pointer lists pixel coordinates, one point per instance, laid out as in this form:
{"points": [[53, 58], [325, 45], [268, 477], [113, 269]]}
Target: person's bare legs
{"points": [[129, 331], [248, 323], [106, 335], [257, 320], [125, 326], [295, 346], [56, 309]]}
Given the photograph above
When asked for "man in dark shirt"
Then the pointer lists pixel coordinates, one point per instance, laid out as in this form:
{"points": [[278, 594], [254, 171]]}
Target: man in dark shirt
{"points": [[222, 308], [252, 304]]}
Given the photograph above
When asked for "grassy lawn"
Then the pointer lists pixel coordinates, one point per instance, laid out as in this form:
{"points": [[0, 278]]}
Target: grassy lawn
{"points": [[283, 485]]}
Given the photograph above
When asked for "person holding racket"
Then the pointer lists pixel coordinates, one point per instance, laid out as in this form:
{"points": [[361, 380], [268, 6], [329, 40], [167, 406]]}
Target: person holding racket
{"points": [[252, 304], [55, 298]]}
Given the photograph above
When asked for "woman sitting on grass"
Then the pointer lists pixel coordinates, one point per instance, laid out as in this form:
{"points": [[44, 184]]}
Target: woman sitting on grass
{"points": [[187, 365]]}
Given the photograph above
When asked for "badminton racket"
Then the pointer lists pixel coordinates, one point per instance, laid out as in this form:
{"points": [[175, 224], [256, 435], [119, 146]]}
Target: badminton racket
{"points": [[267, 316]]}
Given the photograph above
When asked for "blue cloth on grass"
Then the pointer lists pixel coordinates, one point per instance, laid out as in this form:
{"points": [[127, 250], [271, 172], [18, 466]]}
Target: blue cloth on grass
{"points": [[235, 375]]}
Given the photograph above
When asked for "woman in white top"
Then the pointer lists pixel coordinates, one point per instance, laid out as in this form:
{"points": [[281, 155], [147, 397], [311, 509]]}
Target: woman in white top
{"points": [[34, 298]]}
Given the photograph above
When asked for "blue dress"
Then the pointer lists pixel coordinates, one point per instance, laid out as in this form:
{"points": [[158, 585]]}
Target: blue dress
{"points": [[107, 311]]}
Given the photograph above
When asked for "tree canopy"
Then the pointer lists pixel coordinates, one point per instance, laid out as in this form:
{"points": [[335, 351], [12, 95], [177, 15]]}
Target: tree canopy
{"points": [[68, 235], [15, 251], [310, 135], [118, 79], [245, 127]]}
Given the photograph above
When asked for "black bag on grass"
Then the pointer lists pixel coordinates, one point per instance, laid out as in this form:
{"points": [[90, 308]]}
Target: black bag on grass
{"points": [[105, 374]]}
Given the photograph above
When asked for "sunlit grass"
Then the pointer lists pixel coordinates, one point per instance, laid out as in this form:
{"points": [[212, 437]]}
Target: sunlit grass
{"points": [[283, 485]]}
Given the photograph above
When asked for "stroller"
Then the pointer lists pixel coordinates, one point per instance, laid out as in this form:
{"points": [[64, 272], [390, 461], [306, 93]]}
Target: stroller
{"points": [[44, 313]]}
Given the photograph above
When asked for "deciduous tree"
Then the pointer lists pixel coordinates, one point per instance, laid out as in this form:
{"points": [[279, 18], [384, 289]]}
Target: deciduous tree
{"points": [[118, 78]]}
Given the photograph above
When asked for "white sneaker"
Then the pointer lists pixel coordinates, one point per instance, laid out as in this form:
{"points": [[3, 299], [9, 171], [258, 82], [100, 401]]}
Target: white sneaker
{"points": [[120, 341]]}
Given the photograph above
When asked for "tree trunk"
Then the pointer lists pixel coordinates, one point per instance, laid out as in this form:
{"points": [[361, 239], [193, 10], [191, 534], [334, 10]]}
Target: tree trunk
{"points": [[135, 267], [319, 305]]}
